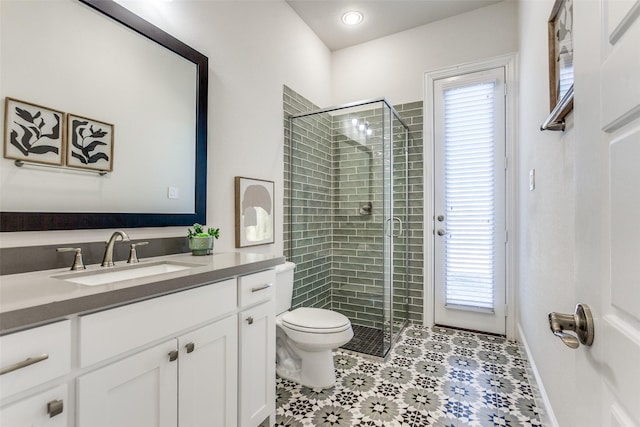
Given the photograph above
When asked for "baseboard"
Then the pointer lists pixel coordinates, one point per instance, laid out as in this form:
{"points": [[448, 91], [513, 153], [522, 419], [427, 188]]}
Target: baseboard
{"points": [[548, 418]]}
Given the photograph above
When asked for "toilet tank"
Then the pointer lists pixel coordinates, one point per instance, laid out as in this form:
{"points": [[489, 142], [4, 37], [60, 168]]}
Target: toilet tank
{"points": [[284, 286]]}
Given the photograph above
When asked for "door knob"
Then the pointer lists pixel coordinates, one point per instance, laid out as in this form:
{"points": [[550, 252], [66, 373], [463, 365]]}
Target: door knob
{"points": [[440, 218], [580, 322]]}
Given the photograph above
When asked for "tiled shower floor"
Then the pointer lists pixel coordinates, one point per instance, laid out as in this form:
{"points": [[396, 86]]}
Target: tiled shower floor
{"points": [[433, 377], [366, 340]]}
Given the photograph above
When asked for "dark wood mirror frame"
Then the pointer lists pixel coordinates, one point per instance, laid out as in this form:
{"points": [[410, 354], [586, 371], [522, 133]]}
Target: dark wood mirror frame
{"points": [[38, 221]]}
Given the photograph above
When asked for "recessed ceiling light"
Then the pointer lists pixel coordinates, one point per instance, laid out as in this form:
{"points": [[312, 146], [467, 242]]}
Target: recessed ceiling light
{"points": [[352, 17]]}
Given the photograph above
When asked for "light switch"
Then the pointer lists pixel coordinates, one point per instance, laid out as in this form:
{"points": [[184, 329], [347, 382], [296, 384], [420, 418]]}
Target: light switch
{"points": [[173, 193], [532, 179]]}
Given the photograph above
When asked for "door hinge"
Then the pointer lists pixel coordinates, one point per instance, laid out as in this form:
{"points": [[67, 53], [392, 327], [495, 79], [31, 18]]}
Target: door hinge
{"points": [[506, 163], [506, 310], [506, 236], [506, 89]]}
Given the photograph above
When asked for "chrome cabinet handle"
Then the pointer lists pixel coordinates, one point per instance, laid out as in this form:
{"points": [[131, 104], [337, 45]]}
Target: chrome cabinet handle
{"points": [[28, 362], [55, 407], [190, 347], [173, 355], [261, 288]]}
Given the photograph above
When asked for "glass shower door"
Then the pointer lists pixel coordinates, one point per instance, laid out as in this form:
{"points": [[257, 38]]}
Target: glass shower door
{"points": [[400, 254], [395, 206]]}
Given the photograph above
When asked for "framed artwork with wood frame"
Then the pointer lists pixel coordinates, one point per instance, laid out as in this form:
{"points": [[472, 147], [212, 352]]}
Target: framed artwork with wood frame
{"points": [[255, 219], [560, 28], [89, 143], [33, 133]]}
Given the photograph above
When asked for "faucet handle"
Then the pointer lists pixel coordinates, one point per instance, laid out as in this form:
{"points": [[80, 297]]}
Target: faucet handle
{"points": [[77, 261], [133, 255]]}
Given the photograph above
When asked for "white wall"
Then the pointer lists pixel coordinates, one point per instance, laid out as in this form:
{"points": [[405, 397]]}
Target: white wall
{"points": [[394, 66], [254, 47], [547, 217]]}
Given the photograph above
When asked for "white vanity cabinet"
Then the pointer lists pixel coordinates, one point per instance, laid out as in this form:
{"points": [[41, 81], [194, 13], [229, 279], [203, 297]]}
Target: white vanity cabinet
{"points": [[257, 354], [198, 357], [189, 378]]}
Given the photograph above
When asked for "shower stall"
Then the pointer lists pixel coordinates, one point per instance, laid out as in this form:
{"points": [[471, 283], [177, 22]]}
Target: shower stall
{"points": [[346, 207]]}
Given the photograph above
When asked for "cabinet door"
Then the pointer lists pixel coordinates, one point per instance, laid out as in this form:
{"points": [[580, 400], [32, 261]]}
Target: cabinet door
{"points": [[208, 372], [46, 409], [137, 391], [257, 364]]}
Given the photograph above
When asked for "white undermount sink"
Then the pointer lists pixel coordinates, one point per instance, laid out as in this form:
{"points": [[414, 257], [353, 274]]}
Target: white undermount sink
{"points": [[118, 274]]}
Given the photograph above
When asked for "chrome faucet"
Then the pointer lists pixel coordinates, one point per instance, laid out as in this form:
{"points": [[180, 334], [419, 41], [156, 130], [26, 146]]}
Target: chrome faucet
{"points": [[107, 260]]}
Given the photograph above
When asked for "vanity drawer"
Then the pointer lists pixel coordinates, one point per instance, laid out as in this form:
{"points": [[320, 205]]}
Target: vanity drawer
{"points": [[34, 356], [111, 332], [46, 409], [256, 287]]}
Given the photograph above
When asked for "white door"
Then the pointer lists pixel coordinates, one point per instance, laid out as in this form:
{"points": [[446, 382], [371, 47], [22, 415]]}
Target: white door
{"points": [[608, 212], [208, 372], [469, 201], [140, 390]]}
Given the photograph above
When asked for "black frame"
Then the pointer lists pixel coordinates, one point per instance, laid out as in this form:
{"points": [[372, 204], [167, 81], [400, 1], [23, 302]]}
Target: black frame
{"points": [[38, 221]]}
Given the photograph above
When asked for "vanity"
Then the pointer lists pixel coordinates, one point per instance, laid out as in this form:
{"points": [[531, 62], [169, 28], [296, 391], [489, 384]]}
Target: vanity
{"points": [[192, 346], [176, 340]]}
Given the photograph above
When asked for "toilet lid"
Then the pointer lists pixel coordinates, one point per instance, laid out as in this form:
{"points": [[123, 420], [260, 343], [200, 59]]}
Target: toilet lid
{"points": [[308, 319]]}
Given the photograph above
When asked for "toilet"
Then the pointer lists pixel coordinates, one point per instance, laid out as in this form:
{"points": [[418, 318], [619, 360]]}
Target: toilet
{"points": [[305, 337]]}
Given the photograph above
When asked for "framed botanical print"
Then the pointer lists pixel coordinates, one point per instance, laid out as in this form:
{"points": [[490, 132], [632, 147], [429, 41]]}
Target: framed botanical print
{"points": [[33, 133], [89, 143], [255, 219], [560, 28]]}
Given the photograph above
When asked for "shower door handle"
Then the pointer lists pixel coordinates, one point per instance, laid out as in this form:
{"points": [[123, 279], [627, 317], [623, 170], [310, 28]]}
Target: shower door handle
{"points": [[400, 229], [391, 227]]}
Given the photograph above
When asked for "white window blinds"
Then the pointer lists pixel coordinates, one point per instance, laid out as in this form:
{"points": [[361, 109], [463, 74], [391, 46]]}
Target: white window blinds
{"points": [[470, 195]]}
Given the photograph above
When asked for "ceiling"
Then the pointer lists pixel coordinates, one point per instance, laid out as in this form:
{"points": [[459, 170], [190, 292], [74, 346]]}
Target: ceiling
{"points": [[381, 17]]}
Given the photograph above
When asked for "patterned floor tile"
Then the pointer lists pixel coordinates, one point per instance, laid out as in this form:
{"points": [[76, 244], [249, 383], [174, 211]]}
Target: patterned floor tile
{"points": [[432, 377]]}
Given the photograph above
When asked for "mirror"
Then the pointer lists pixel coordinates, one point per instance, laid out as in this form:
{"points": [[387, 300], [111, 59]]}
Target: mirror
{"points": [[160, 144]]}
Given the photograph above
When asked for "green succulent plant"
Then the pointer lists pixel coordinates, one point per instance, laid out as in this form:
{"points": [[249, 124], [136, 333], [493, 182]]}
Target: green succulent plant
{"points": [[198, 231]]}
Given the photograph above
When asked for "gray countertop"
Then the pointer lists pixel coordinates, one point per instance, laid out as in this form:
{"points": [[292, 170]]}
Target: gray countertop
{"points": [[29, 299]]}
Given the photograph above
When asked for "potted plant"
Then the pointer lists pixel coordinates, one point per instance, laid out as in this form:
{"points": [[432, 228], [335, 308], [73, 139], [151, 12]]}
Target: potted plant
{"points": [[201, 242]]}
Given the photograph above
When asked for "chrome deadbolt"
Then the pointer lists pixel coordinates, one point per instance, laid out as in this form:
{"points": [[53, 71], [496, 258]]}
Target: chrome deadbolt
{"points": [[441, 232], [440, 218]]}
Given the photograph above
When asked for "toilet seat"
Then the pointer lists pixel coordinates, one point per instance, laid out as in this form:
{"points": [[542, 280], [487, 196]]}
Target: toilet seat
{"points": [[315, 320]]}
